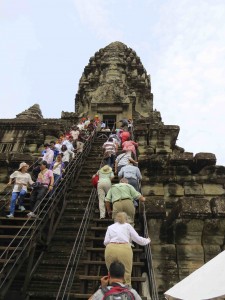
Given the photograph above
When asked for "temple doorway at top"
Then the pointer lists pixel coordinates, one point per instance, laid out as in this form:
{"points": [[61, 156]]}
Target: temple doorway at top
{"points": [[110, 121]]}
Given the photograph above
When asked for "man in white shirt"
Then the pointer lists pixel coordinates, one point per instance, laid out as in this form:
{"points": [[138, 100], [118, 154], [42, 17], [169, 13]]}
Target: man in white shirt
{"points": [[69, 143], [123, 160], [49, 155]]}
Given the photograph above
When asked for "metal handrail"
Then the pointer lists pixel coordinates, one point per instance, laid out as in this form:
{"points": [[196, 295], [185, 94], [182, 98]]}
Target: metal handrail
{"points": [[28, 238], [73, 261], [151, 273]]}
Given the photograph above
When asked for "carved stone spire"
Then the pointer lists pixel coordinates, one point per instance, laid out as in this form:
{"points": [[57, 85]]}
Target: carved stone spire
{"points": [[115, 76], [33, 112]]}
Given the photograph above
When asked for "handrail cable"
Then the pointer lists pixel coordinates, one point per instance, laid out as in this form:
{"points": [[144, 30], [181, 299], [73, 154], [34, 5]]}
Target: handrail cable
{"points": [[151, 273], [73, 261]]}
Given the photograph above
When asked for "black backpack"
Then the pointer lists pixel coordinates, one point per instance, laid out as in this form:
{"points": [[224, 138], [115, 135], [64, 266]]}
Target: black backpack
{"points": [[117, 292]]}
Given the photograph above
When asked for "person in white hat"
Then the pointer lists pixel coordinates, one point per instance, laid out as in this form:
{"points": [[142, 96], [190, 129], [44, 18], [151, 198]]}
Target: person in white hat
{"points": [[21, 179], [106, 175]]}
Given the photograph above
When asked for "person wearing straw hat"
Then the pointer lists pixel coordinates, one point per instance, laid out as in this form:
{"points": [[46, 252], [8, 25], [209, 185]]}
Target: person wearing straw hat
{"points": [[22, 179], [118, 240], [106, 175]]}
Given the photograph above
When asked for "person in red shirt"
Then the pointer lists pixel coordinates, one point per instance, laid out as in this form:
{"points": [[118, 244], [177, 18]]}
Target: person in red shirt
{"points": [[125, 136]]}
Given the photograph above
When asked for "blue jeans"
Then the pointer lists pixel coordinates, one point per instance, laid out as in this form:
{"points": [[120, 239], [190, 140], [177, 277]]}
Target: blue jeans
{"points": [[110, 160], [14, 197], [56, 179]]}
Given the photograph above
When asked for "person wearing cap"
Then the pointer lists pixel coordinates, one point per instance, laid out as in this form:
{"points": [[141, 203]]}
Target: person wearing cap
{"points": [[104, 184], [22, 179], [45, 182], [121, 196], [48, 155]]}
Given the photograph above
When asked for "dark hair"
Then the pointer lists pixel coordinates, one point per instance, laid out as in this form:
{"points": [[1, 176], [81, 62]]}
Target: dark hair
{"points": [[110, 139], [60, 154], [64, 147], [46, 145], [44, 162], [52, 142], [117, 270]]}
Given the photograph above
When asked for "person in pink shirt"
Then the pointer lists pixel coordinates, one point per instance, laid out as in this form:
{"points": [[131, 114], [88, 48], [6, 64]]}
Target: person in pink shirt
{"points": [[44, 184], [130, 146]]}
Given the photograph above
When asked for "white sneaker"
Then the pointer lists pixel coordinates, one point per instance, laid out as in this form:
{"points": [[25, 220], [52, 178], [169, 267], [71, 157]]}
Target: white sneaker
{"points": [[10, 216], [31, 214], [22, 208]]}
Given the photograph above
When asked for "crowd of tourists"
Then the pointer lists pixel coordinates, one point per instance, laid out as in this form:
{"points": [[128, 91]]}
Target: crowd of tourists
{"points": [[50, 167], [117, 201]]}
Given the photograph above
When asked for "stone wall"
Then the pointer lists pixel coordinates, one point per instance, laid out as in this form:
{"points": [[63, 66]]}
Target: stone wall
{"points": [[185, 203]]}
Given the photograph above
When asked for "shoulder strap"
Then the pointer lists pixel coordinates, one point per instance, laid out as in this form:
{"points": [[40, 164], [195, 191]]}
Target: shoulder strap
{"points": [[122, 157], [116, 290]]}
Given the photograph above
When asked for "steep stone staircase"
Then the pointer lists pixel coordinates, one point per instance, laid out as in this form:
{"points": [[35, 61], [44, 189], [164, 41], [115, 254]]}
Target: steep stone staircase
{"points": [[48, 276]]}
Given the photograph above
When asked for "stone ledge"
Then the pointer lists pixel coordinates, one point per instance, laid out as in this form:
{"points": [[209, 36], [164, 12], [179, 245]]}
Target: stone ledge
{"points": [[191, 207], [218, 206], [155, 207]]}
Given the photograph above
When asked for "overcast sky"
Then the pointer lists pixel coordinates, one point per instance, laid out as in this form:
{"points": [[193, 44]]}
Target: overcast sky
{"points": [[45, 45]]}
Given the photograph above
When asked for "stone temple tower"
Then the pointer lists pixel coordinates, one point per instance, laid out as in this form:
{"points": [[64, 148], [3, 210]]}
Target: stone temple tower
{"points": [[114, 85]]}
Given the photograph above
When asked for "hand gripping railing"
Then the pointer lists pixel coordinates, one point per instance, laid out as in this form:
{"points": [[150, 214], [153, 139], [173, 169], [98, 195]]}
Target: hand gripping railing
{"points": [[151, 274], [43, 212]]}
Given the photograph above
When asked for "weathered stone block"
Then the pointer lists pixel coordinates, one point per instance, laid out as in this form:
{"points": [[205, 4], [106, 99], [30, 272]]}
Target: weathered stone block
{"points": [[155, 227], [213, 189], [164, 252], [211, 251], [185, 158], [189, 207], [188, 232], [189, 258], [218, 206], [153, 189], [184, 272], [173, 189], [204, 159], [213, 232], [163, 150], [193, 188], [155, 207]]}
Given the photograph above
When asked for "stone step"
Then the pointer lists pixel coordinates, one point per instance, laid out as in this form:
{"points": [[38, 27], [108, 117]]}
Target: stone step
{"points": [[97, 278], [15, 227]]}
